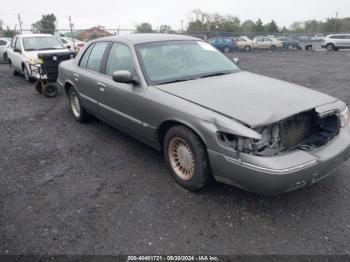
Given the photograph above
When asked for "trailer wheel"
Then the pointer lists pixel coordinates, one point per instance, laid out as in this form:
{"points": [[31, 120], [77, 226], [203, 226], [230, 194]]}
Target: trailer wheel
{"points": [[38, 87], [50, 90]]}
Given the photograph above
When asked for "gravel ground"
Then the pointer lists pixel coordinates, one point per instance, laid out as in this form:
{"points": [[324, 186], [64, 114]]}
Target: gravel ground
{"points": [[70, 188]]}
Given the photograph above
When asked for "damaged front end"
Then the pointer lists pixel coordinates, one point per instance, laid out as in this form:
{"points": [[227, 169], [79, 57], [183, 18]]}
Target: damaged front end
{"points": [[303, 131]]}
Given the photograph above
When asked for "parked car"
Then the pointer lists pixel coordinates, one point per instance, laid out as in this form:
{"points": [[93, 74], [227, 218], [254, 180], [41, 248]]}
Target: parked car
{"points": [[289, 43], [243, 43], [68, 43], [317, 37], [4, 44], [266, 43], [336, 42], [210, 119], [24, 50], [224, 44]]}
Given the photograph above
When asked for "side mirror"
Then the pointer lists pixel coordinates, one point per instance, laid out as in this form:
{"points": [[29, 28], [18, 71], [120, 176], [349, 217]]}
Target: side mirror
{"points": [[235, 60], [68, 46], [124, 76], [17, 50]]}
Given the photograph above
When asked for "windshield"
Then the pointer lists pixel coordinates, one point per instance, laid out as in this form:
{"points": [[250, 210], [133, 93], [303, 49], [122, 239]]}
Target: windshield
{"points": [[41, 43], [173, 61]]}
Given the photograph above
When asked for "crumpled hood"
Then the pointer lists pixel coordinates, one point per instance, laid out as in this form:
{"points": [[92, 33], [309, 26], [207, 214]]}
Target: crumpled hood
{"points": [[250, 98]]}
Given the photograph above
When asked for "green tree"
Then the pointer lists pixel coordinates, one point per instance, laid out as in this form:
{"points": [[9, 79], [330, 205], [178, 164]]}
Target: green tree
{"points": [[248, 26], [165, 29], [259, 27], [144, 28], [271, 27], [297, 27], [47, 24], [9, 33], [284, 30], [1, 23]]}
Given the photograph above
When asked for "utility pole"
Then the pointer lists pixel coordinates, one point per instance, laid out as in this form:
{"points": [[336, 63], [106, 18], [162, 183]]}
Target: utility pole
{"points": [[71, 31], [182, 26], [20, 22]]}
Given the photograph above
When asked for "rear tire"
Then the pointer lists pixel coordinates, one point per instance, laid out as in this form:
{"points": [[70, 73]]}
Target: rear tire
{"points": [[186, 157], [247, 48], [5, 58], [227, 49], [75, 106], [273, 47]]}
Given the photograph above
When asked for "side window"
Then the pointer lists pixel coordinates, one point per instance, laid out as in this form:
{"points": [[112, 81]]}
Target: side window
{"points": [[119, 58], [85, 58], [95, 58], [18, 44], [2, 42]]}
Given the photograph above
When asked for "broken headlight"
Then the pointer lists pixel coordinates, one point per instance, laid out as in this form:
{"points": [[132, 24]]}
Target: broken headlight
{"points": [[344, 117]]}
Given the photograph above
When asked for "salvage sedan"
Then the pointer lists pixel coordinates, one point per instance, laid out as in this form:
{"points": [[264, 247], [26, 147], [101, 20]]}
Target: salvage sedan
{"points": [[210, 119]]}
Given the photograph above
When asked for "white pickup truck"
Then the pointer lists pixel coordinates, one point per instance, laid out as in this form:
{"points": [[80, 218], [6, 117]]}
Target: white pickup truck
{"points": [[24, 50]]}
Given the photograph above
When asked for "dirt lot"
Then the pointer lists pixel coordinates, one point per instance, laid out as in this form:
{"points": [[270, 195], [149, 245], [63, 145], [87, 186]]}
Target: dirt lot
{"points": [[70, 188]]}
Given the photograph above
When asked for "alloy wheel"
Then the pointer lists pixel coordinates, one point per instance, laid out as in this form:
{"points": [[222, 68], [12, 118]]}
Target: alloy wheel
{"points": [[181, 158]]}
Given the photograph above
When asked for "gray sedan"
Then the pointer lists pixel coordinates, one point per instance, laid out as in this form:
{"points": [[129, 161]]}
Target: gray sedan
{"points": [[211, 120]]}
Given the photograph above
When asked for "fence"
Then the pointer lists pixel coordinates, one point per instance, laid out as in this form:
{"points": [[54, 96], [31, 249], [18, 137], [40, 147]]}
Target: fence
{"points": [[97, 32]]}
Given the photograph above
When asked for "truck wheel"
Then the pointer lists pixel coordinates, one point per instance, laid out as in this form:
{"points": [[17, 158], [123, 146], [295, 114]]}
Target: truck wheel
{"points": [[75, 106], [186, 157], [38, 86], [50, 90]]}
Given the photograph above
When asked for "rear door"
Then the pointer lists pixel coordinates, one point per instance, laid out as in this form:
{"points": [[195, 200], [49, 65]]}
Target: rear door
{"points": [[88, 75], [347, 41]]}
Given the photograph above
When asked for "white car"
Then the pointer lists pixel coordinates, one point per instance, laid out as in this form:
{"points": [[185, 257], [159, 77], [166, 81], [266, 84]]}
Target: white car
{"points": [[244, 43], [317, 37], [24, 50], [263, 42], [68, 42], [4, 44], [336, 42]]}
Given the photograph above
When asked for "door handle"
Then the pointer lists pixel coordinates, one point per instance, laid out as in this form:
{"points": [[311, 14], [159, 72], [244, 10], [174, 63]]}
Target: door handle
{"points": [[101, 86]]}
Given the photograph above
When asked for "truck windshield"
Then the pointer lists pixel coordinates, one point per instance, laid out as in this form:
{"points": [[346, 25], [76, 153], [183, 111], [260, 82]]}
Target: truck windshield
{"points": [[41, 43], [174, 61]]}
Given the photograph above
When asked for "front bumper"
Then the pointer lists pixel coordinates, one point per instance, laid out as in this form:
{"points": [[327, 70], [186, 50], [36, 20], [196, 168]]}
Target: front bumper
{"points": [[282, 173]]}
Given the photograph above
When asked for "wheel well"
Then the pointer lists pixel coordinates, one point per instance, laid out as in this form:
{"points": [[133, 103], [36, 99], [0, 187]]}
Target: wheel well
{"points": [[67, 86], [23, 66], [165, 126]]}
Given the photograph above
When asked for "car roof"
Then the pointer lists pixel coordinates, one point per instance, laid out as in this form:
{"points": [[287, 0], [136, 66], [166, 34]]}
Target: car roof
{"points": [[148, 38]]}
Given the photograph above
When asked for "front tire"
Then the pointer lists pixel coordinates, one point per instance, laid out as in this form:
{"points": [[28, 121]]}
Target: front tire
{"points": [[330, 47], [75, 106], [5, 58], [186, 157]]}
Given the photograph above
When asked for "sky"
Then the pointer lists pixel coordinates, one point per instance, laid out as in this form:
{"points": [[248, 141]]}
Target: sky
{"points": [[127, 14]]}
